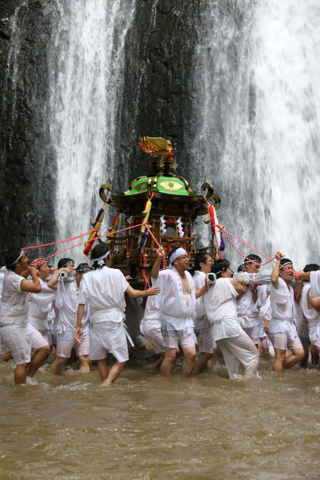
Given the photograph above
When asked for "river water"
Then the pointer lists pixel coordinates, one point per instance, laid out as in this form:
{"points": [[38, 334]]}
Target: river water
{"points": [[150, 427]]}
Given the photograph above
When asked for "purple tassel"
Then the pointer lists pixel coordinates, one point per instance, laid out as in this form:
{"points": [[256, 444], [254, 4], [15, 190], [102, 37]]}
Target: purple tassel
{"points": [[222, 245]]}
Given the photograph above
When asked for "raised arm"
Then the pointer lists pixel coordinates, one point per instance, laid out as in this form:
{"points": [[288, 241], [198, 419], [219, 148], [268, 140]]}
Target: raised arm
{"points": [[34, 286], [201, 290], [275, 273], [54, 279], [297, 291], [156, 266]]}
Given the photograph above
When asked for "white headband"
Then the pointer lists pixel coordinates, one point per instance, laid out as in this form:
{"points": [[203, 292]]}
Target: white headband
{"points": [[70, 261], [180, 251], [99, 260], [287, 263], [22, 252]]}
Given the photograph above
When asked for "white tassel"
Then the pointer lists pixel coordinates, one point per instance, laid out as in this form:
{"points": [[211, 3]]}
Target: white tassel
{"points": [[180, 228], [163, 225]]}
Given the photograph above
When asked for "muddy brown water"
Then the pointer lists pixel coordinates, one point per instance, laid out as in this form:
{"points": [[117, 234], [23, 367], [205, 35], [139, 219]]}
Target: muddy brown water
{"points": [[149, 427]]}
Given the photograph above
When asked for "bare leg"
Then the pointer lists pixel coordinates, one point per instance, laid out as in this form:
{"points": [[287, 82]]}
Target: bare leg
{"points": [[261, 351], [296, 357], [84, 363], [58, 364], [158, 363], [20, 374], [37, 360], [210, 362], [314, 355], [103, 369], [5, 356], [279, 359], [114, 372], [188, 362], [167, 364], [202, 361]]}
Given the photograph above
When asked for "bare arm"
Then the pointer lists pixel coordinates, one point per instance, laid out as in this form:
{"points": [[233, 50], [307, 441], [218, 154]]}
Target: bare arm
{"points": [[26, 273], [237, 286], [54, 279], [314, 302], [79, 332], [303, 275], [142, 293], [275, 273], [297, 291], [201, 290], [34, 286], [156, 266]]}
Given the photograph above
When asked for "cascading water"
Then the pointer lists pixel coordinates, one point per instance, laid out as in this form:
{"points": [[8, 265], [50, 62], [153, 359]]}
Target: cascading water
{"points": [[258, 140], [87, 74]]}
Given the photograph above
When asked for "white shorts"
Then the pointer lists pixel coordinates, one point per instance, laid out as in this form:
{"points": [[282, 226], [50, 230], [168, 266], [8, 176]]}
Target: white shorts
{"points": [[21, 341], [173, 342], [205, 341], [154, 335], [66, 342], [109, 337], [253, 333], [283, 342]]}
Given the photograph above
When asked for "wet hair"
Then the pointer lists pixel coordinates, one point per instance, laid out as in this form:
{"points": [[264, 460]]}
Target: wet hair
{"points": [[63, 261], [97, 252], [253, 258], [242, 268], [311, 267], [201, 257], [220, 266], [283, 261], [11, 256]]}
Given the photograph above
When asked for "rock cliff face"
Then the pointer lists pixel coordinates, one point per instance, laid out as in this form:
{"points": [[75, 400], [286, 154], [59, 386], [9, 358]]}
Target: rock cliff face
{"points": [[160, 58], [27, 172]]}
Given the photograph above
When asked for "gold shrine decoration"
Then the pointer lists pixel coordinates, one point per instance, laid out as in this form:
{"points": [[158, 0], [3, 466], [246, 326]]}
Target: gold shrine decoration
{"points": [[156, 147]]}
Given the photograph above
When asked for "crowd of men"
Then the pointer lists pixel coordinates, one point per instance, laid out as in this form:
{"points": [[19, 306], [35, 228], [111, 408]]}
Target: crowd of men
{"points": [[92, 310]]}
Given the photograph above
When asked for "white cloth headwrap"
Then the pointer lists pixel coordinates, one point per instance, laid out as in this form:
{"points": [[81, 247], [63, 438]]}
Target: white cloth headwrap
{"points": [[100, 260], [70, 261], [22, 252], [287, 263], [180, 251]]}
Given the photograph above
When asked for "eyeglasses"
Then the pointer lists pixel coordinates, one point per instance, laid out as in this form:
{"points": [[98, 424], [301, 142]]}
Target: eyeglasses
{"points": [[209, 261]]}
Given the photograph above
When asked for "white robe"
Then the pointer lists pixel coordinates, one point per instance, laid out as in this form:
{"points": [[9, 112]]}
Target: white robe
{"points": [[312, 316], [221, 309], [177, 309], [103, 289], [40, 305], [283, 310], [201, 323], [248, 310], [315, 284], [14, 302]]}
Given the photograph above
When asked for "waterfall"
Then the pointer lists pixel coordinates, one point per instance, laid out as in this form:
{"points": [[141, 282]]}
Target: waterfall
{"points": [[257, 137], [87, 64]]}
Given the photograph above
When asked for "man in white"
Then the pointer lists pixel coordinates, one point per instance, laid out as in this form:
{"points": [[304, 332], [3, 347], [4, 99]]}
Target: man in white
{"points": [[311, 309], [103, 289], [18, 336], [248, 304], [237, 348], [282, 330], [151, 329], [41, 303], [177, 303], [202, 326], [66, 302]]}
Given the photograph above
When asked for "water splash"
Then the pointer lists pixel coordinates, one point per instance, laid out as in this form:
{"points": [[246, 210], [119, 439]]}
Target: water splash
{"points": [[258, 137], [87, 71]]}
